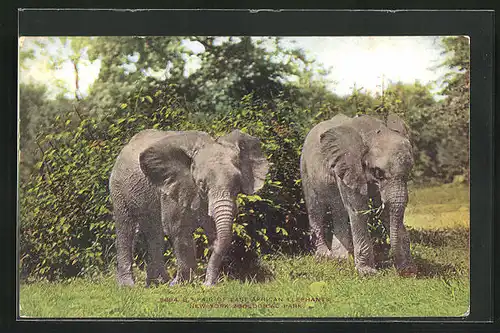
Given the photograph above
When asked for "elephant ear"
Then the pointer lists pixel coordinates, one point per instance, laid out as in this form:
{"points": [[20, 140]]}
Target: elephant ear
{"points": [[253, 163], [167, 164], [344, 150], [395, 123]]}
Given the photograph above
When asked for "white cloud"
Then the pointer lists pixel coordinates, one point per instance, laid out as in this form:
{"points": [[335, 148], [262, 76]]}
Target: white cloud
{"points": [[365, 61]]}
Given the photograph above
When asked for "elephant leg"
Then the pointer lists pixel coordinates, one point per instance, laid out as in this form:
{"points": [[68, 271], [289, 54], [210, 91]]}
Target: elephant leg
{"points": [[356, 203], [184, 249], [155, 267], [405, 267], [342, 236], [125, 231], [317, 209], [317, 222]]}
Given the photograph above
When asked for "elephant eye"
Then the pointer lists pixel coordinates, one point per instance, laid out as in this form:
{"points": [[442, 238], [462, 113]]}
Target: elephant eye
{"points": [[378, 173]]}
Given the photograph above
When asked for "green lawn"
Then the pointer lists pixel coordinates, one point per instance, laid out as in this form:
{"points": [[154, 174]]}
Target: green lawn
{"points": [[438, 219]]}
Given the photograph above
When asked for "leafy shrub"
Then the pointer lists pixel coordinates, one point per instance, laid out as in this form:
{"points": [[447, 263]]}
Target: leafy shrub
{"points": [[66, 221], [64, 209]]}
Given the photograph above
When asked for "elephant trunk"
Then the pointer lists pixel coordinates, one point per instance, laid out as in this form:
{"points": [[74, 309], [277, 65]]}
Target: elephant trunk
{"points": [[395, 197], [396, 216], [222, 212]]}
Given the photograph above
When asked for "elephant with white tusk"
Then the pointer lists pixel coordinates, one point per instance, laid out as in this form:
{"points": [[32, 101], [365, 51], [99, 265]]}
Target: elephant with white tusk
{"points": [[167, 182], [344, 162]]}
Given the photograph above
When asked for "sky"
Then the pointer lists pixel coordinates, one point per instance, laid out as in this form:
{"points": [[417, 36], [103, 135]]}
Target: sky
{"points": [[366, 61], [361, 61]]}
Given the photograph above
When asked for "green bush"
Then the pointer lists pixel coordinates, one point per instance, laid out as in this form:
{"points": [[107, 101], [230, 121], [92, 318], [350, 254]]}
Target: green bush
{"points": [[66, 221], [64, 208]]}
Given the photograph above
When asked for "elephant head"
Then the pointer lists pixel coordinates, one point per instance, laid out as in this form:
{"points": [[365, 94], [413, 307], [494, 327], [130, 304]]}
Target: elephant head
{"points": [[365, 150], [191, 166]]}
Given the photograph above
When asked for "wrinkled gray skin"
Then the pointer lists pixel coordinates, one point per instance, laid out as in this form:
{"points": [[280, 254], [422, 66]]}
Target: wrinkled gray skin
{"points": [[344, 161], [173, 182]]}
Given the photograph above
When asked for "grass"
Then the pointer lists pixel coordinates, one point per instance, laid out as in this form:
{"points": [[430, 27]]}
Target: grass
{"points": [[301, 286], [438, 207]]}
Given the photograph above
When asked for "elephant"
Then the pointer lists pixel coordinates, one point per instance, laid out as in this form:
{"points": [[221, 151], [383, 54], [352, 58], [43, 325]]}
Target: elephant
{"points": [[344, 162], [172, 182]]}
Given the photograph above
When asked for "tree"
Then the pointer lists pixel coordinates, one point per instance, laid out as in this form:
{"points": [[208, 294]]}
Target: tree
{"points": [[212, 79], [130, 64], [359, 102], [237, 67], [453, 113], [32, 105], [59, 52]]}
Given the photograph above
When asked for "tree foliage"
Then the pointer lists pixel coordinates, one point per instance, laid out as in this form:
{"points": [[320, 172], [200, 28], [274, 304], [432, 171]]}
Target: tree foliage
{"points": [[454, 112]]}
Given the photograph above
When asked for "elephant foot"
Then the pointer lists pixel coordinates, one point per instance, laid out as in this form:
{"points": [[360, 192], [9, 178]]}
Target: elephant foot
{"points": [[180, 279], [161, 278], [339, 254], [366, 270], [209, 284], [210, 280], [177, 281], [126, 282], [173, 282], [323, 252]]}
